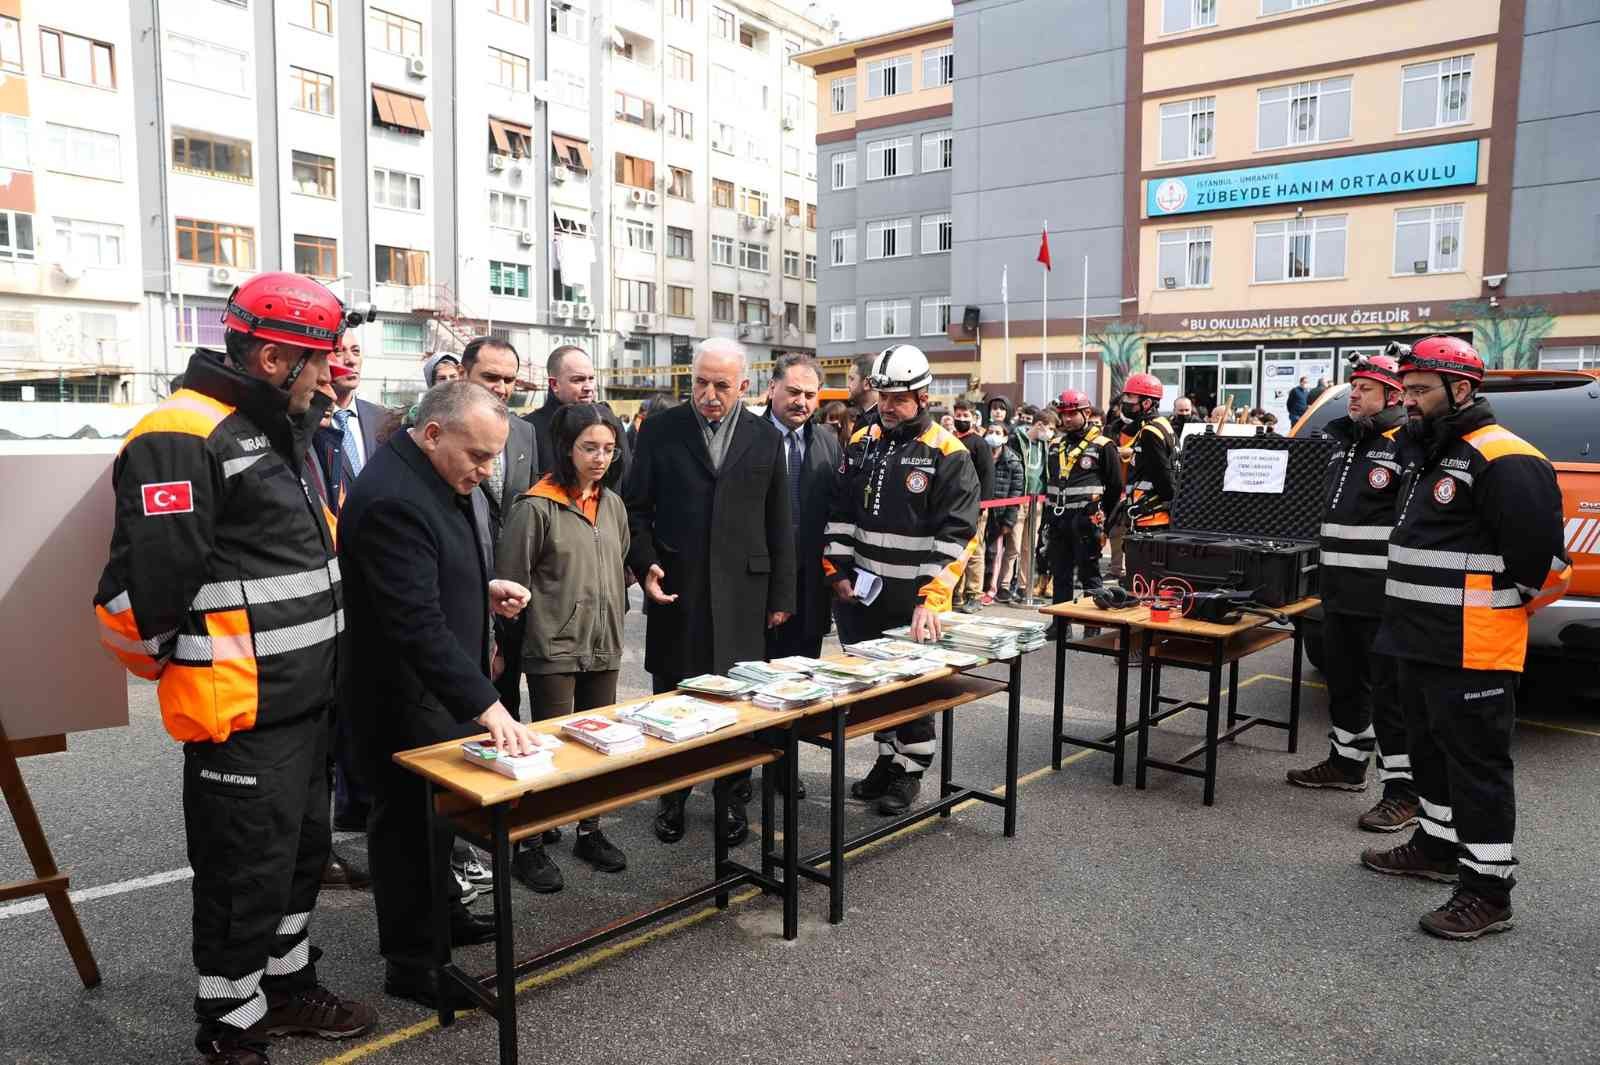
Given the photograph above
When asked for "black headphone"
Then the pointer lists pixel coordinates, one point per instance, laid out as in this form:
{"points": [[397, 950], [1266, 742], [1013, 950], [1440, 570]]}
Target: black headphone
{"points": [[1113, 597]]}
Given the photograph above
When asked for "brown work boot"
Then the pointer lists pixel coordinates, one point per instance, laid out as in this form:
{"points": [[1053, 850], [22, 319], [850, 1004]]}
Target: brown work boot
{"points": [[1467, 915], [1392, 813], [237, 1051], [315, 1011], [1409, 859], [1326, 774]]}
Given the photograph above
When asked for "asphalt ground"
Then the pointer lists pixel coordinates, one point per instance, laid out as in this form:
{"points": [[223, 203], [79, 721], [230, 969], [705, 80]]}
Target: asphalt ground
{"points": [[1117, 926]]}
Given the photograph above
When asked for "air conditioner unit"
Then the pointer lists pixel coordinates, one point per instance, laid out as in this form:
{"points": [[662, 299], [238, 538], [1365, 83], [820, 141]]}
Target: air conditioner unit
{"points": [[788, 123], [636, 195], [772, 222], [652, 198], [564, 309], [526, 238], [220, 275], [585, 312], [1169, 282], [498, 161], [642, 321], [417, 67], [758, 332], [558, 174], [747, 221]]}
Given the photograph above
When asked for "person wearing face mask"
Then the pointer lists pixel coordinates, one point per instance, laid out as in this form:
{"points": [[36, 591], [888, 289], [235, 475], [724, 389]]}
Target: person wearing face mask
{"points": [[1001, 531], [1150, 462], [1363, 705], [1083, 487], [968, 594], [1476, 549]]}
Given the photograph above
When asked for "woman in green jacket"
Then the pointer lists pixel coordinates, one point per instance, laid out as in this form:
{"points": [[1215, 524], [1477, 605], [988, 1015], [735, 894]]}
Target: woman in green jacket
{"points": [[565, 540]]}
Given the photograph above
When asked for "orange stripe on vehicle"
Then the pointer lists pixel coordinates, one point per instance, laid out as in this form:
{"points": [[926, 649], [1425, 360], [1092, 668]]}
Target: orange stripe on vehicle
{"points": [[117, 632], [1492, 638]]}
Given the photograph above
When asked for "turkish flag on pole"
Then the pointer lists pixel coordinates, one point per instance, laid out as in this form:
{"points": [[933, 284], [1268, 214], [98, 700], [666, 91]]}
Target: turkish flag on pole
{"points": [[1044, 248]]}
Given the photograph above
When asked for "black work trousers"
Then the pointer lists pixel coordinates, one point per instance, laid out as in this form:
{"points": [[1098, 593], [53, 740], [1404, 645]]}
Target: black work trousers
{"points": [[1459, 724], [553, 695], [255, 810], [1364, 703], [913, 744], [1074, 553]]}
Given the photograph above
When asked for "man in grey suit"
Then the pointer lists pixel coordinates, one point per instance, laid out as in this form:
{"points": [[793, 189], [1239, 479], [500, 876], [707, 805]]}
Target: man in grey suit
{"points": [[357, 419]]}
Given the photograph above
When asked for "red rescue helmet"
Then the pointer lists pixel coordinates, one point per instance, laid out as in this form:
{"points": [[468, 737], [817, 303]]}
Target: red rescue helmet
{"points": [[1379, 368], [1073, 399], [1147, 385], [286, 309], [1443, 355]]}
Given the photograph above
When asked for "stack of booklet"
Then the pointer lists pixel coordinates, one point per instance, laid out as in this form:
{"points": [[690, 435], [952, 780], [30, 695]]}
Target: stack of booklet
{"points": [[905, 668], [991, 641], [678, 717], [884, 647], [1031, 632], [958, 654], [796, 664], [849, 676], [759, 673], [603, 734], [518, 767], [789, 694], [713, 684]]}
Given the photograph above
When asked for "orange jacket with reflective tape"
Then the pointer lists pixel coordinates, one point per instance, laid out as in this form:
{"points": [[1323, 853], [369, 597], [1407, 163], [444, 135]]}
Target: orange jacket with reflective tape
{"points": [[1150, 474], [1476, 546], [222, 585]]}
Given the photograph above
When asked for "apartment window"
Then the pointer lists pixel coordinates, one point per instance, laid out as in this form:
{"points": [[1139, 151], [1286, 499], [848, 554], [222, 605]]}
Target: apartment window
{"points": [[751, 37], [680, 123], [937, 234], [1277, 7], [1310, 112], [938, 150], [791, 159], [1180, 15], [680, 183], [634, 110], [680, 243], [791, 264], [569, 22], [212, 155], [389, 32], [683, 9], [811, 275], [844, 170], [1183, 258], [68, 149], [935, 315], [210, 66], [721, 193], [722, 24], [680, 301], [791, 317], [81, 59], [842, 91], [402, 338], [16, 143], [722, 250], [1427, 240], [209, 243], [569, 152], [635, 234], [512, 9], [888, 77], [811, 166], [890, 158], [634, 172], [680, 64], [316, 256], [567, 224], [722, 306], [938, 66], [756, 150], [754, 311], [1570, 357], [10, 44], [723, 137], [889, 239], [753, 202], [508, 70], [508, 279], [400, 266], [507, 211], [791, 208], [16, 236], [319, 15], [888, 318], [310, 91], [1301, 249], [399, 111], [635, 295], [791, 111], [1436, 94], [312, 175], [395, 189], [842, 322], [753, 256], [1188, 129], [843, 243]]}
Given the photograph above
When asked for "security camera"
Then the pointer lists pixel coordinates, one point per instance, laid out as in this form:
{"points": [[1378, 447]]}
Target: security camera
{"points": [[1493, 280]]}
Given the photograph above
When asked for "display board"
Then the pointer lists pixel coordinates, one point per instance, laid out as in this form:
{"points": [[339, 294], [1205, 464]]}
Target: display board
{"points": [[59, 510]]}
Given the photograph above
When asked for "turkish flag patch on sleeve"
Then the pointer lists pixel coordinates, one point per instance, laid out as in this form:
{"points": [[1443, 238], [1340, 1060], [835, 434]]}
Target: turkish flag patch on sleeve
{"points": [[172, 497]]}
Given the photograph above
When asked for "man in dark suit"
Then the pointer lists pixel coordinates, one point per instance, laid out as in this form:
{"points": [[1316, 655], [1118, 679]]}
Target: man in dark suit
{"points": [[359, 420], [417, 570], [712, 541], [570, 378]]}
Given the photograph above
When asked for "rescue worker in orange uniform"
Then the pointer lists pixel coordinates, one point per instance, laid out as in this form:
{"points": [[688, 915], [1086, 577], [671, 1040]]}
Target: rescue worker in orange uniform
{"points": [[1150, 491]]}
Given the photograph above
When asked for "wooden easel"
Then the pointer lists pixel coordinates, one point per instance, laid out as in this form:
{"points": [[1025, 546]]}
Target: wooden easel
{"points": [[48, 880]]}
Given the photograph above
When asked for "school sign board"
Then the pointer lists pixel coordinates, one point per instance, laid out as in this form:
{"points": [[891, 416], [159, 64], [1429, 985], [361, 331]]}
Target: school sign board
{"points": [[1372, 174]]}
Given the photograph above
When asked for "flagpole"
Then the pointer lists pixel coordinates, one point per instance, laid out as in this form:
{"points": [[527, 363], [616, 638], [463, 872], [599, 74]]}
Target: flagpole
{"points": [[1044, 334], [1083, 348], [1005, 303]]}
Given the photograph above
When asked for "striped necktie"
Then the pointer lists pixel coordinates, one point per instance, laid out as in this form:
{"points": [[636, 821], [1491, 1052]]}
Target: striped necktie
{"points": [[796, 460], [347, 442]]}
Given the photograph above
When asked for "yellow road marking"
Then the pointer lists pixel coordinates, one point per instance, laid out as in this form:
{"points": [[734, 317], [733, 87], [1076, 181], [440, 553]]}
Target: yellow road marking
{"points": [[1558, 728]]}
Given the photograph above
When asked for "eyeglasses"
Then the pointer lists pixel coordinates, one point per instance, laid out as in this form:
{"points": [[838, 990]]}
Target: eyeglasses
{"points": [[1418, 391]]}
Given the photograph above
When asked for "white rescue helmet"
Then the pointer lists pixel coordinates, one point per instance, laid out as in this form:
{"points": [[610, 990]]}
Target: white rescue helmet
{"points": [[901, 368]]}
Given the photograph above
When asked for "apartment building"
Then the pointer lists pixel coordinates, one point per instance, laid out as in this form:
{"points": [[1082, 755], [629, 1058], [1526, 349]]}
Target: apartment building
{"points": [[887, 151], [70, 289]]}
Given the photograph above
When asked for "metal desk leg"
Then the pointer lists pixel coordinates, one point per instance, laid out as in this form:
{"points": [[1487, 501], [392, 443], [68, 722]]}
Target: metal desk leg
{"points": [[1060, 632], [768, 828], [1213, 712], [836, 821], [1155, 694], [1139, 770], [947, 755], [1233, 693], [439, 867], [1013, 736], [791, 832], [1294, 690], [505, 961], [1124, 648], [719, 842]]}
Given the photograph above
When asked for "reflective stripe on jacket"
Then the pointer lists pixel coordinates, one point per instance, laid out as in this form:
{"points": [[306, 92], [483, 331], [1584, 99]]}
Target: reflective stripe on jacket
{"points": [[1362, 487], [1082, 473], [1150, 475]]}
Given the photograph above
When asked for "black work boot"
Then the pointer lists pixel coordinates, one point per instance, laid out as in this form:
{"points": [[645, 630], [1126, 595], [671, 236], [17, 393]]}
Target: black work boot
{"points": [[532, 867], [901, 792], [669, 818], [1467, 915], [735, 827], [873, 784], [1391, 814], [235, 1050], [1411, 858], [315, 1011], [1329, 774]]}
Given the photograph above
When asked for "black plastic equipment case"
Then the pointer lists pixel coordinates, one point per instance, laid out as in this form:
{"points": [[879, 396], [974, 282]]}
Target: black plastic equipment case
{"points": [[1257, 542]]}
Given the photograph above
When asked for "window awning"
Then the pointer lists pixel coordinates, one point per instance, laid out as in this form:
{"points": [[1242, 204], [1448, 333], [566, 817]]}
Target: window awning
{"points": [[566, 223], [502, 132], [400, 110], [566, 146]]}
